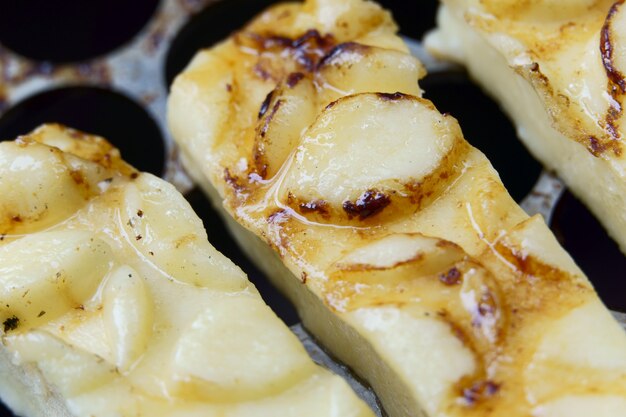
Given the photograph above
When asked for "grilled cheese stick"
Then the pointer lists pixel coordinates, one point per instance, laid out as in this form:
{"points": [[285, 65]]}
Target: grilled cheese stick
{"points": [[115, 304], [395, 239], [558, 70]]}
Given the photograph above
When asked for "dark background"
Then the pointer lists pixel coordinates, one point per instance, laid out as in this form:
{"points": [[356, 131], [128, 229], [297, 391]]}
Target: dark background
{"points": [[60, 31]]}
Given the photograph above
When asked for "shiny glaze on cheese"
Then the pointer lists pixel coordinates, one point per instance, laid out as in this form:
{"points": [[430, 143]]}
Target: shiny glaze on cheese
{"points": [[112, 294], [572, 53], [377, 204], [558, 69]]}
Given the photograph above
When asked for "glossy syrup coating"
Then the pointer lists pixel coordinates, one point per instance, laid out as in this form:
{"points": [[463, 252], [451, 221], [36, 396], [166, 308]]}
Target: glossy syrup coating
{"points": [[115, 304], [310, 125], [557, 69]]}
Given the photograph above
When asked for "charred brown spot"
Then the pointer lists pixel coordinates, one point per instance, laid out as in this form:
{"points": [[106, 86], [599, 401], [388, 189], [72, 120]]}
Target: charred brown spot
{"points": [[17, 219], [270, 41], [278, 216], [229, 87], [331, 105], [486, 308], [303, 277], [368, 204], [311, 47], [262, 72], [595, 147], [452, 277], [536, 71], [266, 103], [140, 213], [318, 206], [138, 237], [306, 50], [11, 323], [340, 49], [270, 116], [617, 82], [134, 175], [552, 279], [480, 391], [78, 177], [294, 78], [391, 96], [607, 50], [232, 180]]}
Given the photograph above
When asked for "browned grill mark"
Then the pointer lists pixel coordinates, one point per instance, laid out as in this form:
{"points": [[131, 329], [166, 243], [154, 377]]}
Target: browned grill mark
{"points": [[617, 82], [232, 181], [607, 50], [331, 104], [270, 116], [361, 267], [78, 177], [262, 72], [340, 49], [391, 96], [278, 216], [294, 78], [452, 277], [480, 391], [595, 147], [266, 104], [536, 70], [368, 204], [307, 50], [315, 206], [487, 308]]}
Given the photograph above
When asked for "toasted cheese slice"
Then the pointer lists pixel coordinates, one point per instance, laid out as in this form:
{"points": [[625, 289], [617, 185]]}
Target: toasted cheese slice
{"points": [[558, 70], [115, 304], [396, 239]]}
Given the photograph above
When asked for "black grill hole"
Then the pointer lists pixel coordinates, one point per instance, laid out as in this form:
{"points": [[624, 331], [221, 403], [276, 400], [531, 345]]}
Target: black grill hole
{"points": [[486, 127], [70, 30], [93, 110], [208, 27], [595, 252]]}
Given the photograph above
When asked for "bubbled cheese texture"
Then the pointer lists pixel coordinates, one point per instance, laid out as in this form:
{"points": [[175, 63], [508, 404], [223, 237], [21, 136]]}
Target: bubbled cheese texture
{"points": [[396, 239], [113, 295]]}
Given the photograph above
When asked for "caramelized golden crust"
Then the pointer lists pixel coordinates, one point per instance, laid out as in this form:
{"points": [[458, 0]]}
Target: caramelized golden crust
{"points": [[585, 104], [398, 229], [558, 70]]}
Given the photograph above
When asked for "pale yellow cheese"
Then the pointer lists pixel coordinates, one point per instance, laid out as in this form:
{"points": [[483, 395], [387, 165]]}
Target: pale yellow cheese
{"points": [[115, 304], [394, 237], [558, 70]]}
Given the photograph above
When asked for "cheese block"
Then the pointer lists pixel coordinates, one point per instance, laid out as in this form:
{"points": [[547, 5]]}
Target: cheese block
{"points": [[558, 70], [114, 304], [395, 239]]}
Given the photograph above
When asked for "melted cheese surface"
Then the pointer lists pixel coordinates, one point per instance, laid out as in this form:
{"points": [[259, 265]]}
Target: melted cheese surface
{"points": [[310, 125], [111, 291]]}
